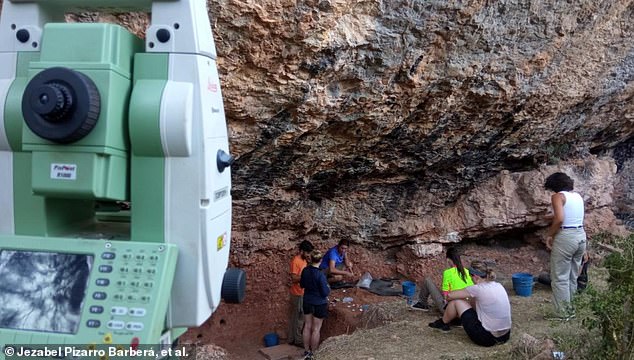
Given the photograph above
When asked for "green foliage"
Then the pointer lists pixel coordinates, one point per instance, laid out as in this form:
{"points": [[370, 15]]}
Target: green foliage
{"points": [[556, 152], [612, 309]]}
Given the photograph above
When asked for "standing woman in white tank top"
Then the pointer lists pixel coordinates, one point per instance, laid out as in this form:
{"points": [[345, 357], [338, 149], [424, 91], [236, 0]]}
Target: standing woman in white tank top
{"points": [[566, 240]]}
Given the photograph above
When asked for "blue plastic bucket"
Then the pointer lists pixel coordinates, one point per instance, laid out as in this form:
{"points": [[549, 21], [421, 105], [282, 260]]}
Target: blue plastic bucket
{"points": [[523, 284], [271, 339], [409, 288]]}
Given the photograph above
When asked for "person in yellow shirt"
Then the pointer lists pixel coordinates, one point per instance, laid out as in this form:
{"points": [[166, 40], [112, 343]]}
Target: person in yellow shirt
{"points": [[296, 319], [456, 277], [484, 309]]}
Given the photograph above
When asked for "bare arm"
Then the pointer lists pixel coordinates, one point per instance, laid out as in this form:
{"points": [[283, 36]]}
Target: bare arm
{"points": [[458, 294], [348, 264], [295, 272], [557, 201], [334, 271]]}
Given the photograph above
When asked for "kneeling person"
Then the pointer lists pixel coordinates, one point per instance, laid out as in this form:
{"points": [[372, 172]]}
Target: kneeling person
{"points": [[336, 264], [490, 322]]}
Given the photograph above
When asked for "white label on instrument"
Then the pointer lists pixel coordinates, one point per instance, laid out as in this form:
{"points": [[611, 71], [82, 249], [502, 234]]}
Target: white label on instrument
{"points": [[64, 171], [219, 194]]}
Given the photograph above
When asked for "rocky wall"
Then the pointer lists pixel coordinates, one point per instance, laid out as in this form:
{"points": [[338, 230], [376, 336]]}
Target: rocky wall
{"points": [[376, 120], [512, 204], [368, 119]]}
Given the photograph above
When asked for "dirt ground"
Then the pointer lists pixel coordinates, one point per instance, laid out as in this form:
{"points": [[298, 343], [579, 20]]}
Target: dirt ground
{"points": [[401, 333], [373, 327]]}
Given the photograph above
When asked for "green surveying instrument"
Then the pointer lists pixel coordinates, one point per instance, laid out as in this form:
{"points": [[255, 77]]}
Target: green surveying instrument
{"points": [[115, 178]]}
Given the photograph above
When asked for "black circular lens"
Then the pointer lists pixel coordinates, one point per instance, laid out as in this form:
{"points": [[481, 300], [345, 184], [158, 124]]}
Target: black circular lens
{"points": [[52, 101], [61, 105]]}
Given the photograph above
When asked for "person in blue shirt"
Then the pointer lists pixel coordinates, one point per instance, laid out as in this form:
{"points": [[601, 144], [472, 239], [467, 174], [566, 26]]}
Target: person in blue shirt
{"points": [[336, 264], [316, 292]]}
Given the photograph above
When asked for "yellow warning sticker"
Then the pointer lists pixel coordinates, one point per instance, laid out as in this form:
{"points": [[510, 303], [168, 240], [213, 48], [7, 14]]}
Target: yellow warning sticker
{"points": [[221, 241]]}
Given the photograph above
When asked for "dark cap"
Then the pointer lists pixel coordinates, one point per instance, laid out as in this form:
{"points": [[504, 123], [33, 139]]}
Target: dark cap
{"points": [[473, 271]]}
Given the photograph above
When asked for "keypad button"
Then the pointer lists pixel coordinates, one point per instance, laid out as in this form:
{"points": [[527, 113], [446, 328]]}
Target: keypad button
{"points": [[93, 323], [115, 324], [99, 295], [119, 310], [102, 282], [137, 312], [105, 268], [108, 256], [134, 326], [96, 309]]}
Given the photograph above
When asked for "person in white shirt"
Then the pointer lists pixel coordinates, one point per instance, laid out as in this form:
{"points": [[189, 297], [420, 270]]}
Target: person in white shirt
{"points": [[566, 240], [489, 323]]}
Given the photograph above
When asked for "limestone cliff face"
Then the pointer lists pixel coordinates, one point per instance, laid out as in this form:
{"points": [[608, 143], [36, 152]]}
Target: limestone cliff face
{"points": [[379, 120], [418, 122]]}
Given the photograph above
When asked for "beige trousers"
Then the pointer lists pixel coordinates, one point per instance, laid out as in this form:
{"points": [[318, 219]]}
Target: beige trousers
{"points": [[565, 266], [296, 320]]}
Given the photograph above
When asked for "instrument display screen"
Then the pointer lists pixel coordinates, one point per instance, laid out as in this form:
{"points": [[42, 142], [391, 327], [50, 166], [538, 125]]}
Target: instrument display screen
{"points": [[43, 291]]}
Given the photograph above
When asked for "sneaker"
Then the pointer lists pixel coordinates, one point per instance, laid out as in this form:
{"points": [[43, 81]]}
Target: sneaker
{"points": [[420, 306], [308, 355], [440, 325], [455, 323]]}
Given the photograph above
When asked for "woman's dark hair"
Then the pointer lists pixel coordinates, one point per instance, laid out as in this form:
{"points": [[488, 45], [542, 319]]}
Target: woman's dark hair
{"points": [[306, 246], [559, 182], [454, 255], [345, 242]]}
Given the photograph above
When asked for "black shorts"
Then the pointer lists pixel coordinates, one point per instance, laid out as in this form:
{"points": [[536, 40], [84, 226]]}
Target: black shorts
{"points": [[318, 311], [478, 334]]}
